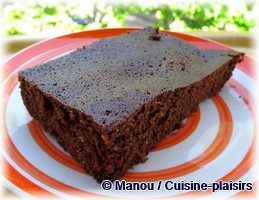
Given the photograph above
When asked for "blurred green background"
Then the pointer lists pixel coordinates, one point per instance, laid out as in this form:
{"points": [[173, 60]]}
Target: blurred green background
{"points": [[60, 17]]}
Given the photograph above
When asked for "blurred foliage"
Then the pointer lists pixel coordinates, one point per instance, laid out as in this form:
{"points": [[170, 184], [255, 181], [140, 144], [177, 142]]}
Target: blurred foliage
{"points": [[59, 18]]}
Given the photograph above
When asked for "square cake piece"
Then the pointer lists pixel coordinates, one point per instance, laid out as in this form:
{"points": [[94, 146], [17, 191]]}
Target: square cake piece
{"points": [[109, 103]]}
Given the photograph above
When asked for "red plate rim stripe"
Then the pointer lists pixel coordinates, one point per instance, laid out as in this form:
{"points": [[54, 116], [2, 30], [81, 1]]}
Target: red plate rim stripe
{"points": [[11, 174], [29, 168]]}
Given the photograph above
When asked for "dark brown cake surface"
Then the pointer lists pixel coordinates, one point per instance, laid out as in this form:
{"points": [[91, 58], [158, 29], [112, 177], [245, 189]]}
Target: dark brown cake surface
{"points": [[110, 78], [142, 80]]}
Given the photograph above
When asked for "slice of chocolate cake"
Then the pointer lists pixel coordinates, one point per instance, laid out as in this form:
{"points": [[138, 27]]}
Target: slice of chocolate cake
{"points": [[111, 102]]}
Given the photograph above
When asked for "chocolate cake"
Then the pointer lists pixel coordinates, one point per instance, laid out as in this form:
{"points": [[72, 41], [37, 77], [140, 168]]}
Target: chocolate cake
{"points": [[109, 103]]}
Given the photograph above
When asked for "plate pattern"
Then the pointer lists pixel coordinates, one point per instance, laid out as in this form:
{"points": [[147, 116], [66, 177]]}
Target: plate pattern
{"points": [[216, 143]]}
